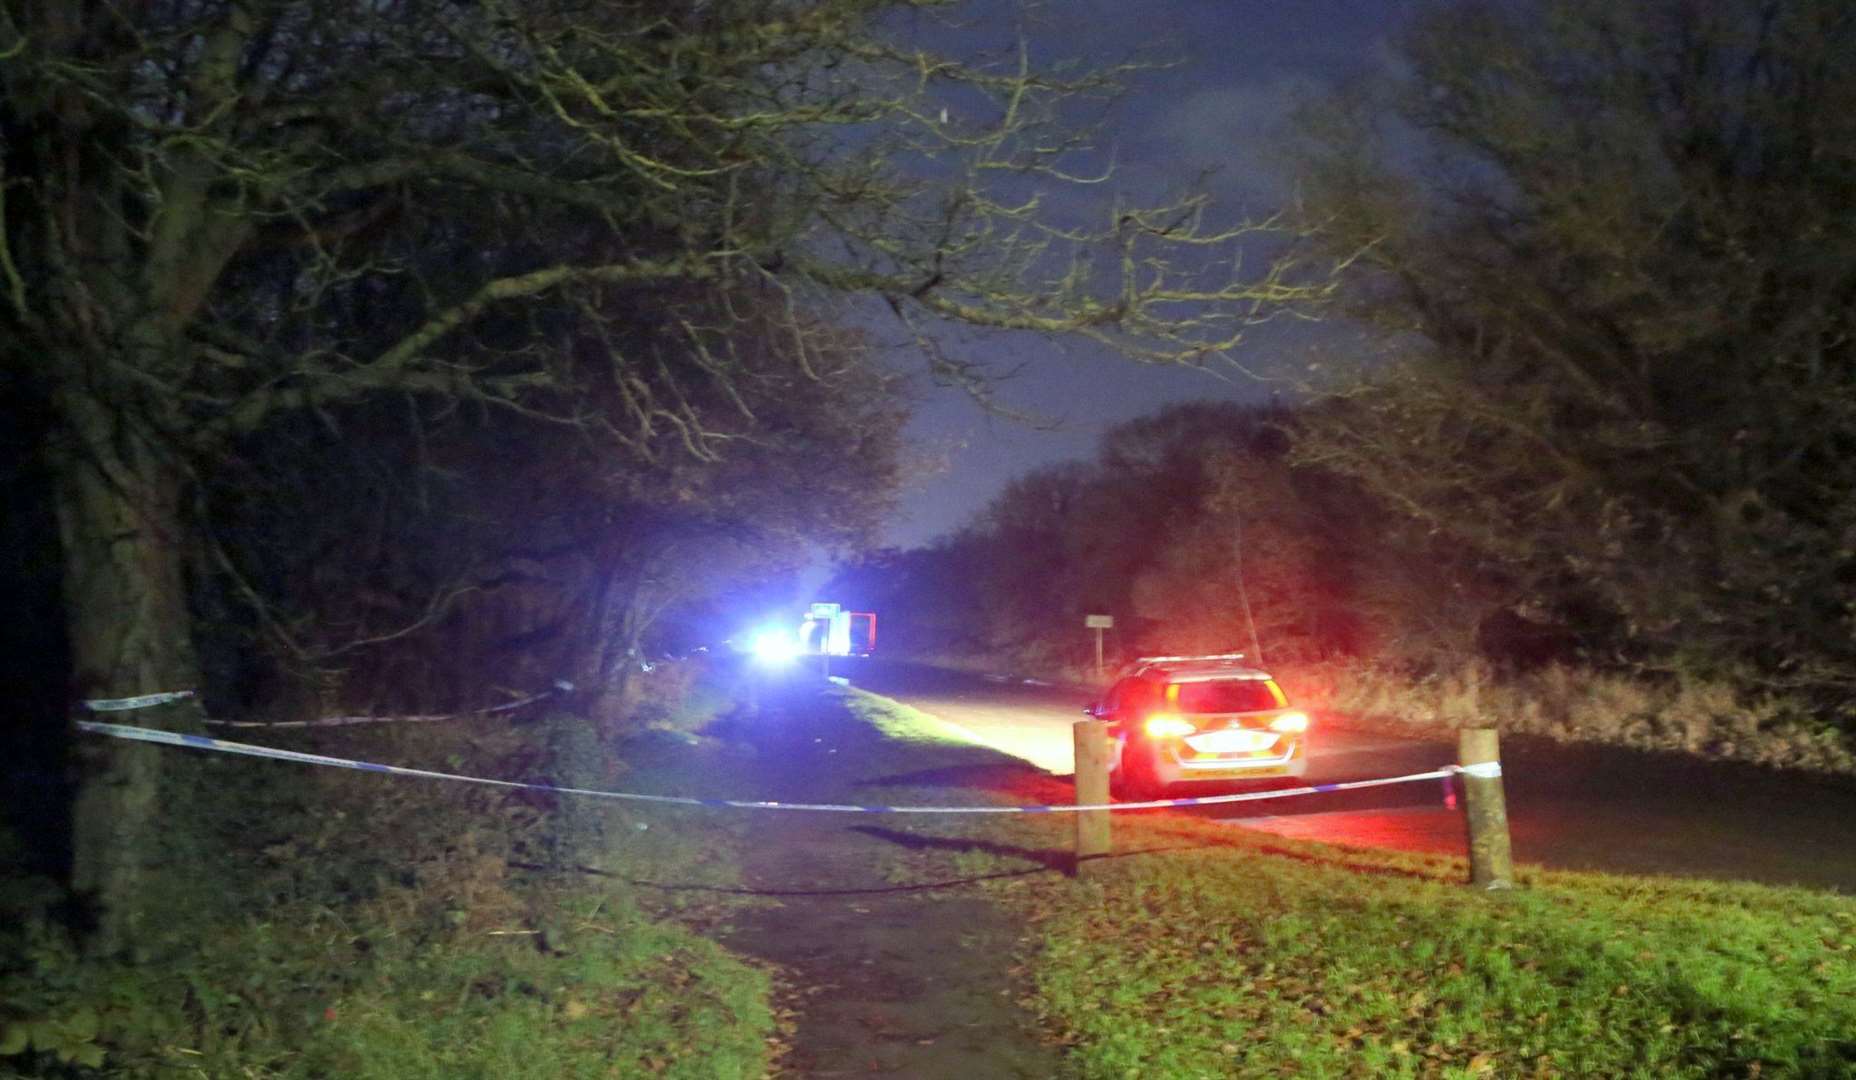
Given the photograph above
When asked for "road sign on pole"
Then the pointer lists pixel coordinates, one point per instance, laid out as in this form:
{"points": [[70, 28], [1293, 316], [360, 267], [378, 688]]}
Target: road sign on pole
{"points": [[1098, 623]]}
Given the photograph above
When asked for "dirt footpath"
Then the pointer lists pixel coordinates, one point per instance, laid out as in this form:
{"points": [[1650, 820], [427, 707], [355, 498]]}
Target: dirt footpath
{"points": [[884, 980]]}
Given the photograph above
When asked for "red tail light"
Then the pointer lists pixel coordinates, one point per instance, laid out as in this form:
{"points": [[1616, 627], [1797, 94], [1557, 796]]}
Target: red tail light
{"points": [[1169, 725]]}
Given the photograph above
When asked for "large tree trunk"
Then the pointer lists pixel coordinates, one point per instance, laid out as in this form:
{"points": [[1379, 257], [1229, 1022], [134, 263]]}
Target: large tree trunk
{"points": [[125, 602]]}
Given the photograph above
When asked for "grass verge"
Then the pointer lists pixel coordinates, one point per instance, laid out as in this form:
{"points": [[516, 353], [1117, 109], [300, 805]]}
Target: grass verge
{"points": [[333, 923], [1219, 955], [1204, 950]]}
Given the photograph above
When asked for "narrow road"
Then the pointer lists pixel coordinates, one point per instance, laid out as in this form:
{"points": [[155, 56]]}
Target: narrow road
{"points": [[1572, 808]]}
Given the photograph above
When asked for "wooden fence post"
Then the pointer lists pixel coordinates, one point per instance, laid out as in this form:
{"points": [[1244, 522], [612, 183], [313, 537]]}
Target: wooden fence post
{"points": [[1092, 826], [1491, 865]]}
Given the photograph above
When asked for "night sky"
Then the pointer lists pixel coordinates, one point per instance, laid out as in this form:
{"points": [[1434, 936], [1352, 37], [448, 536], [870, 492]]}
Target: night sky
{"points": [[1243, 65]]}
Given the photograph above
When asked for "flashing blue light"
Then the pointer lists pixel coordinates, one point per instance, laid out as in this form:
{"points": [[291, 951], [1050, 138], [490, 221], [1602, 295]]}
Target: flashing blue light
{"points": [[774, 647]]}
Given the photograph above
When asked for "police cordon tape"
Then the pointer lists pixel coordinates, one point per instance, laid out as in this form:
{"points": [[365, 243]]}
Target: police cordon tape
{"points": [[225, 746], [149, 701], [144, 701]]}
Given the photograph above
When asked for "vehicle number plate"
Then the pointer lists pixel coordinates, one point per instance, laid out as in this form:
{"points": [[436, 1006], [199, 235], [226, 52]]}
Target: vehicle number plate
{"points": [[1232, 741], [1238, 774]]}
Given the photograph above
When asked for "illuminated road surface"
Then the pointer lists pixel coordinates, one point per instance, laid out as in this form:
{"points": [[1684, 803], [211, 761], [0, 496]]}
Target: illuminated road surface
{"points": [[1569, 808]]}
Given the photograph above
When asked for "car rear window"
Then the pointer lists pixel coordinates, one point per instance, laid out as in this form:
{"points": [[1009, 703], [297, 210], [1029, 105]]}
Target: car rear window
{"points": [[1228, 695]]}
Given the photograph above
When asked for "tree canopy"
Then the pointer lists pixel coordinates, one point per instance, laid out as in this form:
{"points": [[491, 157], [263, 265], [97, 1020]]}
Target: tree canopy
{"points": [[1610, 250], [1191, 528]]}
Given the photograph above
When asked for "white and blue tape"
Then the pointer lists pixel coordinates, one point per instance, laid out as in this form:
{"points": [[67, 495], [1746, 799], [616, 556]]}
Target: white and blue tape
{"points": [[225, 746], [149, 701], [144, 701]]}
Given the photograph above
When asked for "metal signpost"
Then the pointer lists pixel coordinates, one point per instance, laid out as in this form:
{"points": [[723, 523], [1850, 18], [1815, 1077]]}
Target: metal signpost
{"points": [[1099, 623]]}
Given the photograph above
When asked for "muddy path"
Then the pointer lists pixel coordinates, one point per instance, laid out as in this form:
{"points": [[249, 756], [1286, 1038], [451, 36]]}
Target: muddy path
{"points": [[882, 979]]}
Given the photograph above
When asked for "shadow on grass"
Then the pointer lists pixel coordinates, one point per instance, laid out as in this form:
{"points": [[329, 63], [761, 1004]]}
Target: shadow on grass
{"points": [[873, 890], [1052, 859], [1048, 858], [997, 776], [1328, 858]]}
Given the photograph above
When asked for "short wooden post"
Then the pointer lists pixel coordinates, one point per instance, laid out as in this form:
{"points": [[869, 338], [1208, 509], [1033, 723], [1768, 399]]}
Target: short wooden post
{"points": [[1491, 865], [1092, 835]]}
